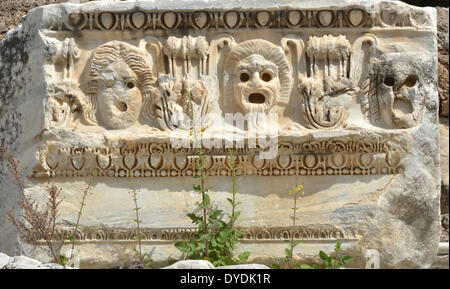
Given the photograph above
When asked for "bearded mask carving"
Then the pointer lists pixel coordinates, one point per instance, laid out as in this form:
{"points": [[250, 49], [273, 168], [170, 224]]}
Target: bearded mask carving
{"points": [[257, 84], [257, 75]]}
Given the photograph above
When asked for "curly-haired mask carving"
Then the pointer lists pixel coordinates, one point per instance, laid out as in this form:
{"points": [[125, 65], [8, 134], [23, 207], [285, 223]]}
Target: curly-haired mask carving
{"points": [[119, 99], [119, 85]]}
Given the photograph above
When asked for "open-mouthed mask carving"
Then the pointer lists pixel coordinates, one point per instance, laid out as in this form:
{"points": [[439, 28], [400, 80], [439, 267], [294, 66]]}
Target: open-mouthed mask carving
{"points": [[400, 93], [257, 74], [119, 86], [119, 99], [257, 84]]}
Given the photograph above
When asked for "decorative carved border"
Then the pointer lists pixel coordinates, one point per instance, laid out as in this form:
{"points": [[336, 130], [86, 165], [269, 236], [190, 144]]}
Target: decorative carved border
{"points": [[140, 20], [330, 157], [102, 234]]}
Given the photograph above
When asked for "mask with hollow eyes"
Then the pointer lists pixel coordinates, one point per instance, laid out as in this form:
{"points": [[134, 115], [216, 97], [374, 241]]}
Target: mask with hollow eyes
{"points": [[257, 75], [399, 89], [256, 84]]}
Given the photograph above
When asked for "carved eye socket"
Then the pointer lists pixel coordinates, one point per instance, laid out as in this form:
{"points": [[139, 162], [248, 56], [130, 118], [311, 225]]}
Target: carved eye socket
{"points": [[389, 81], [266, 76], [244, 77], [130, 84], [411, 80]]}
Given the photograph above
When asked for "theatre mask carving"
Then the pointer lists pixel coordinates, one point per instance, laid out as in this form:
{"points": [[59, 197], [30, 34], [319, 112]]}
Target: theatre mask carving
{"points": [[257, 75]]}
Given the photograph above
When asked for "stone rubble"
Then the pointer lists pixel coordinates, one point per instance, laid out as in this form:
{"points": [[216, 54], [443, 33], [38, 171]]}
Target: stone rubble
{"points": [[203, 264], [23, 262]]}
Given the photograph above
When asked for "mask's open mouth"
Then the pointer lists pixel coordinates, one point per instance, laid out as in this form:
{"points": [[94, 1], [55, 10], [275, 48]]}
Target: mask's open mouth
{"points": [[122, 106], [257, 98], [402, 106]]}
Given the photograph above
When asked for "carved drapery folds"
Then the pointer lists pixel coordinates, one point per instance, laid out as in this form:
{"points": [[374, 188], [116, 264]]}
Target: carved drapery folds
{"points": [[327, 88], [187, 48], [336, 75], [160, 80], [182, 94]]}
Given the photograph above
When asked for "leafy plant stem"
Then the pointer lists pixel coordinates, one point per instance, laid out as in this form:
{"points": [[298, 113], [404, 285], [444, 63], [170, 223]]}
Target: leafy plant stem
{"points": [[138, 229], [233, 191], [205, 220], [82, 204], [202, 174], [293, 229]]}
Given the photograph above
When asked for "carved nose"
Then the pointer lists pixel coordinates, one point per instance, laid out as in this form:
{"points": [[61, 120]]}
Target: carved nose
{"points": [[109, 82], [256, 80]]}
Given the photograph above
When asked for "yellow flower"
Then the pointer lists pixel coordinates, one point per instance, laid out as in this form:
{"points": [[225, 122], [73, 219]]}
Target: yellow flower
{"points": [[303, 193], [290, 192], [300, 187]]}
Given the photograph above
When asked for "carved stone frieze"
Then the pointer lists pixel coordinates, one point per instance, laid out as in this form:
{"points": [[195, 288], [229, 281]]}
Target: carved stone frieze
{"points": [[332, 157], [338, 96], [168, 82], [102, 234], [142, 20]]}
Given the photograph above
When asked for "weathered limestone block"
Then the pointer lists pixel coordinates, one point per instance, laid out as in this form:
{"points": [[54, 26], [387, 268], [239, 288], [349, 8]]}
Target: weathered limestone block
{"points": [[340, 97]]}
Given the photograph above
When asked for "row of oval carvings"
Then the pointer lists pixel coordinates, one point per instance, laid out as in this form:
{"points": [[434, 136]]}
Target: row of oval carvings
{"points": [[323, 146], [168, 20], [220, 165], [179, 234]]}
